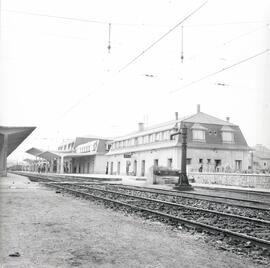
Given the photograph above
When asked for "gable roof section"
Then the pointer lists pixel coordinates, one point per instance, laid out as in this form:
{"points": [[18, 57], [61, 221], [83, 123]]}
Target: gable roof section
{"points": [[203, 118]]}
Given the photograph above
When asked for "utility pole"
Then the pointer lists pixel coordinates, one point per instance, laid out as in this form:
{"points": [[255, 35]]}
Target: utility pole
{"points": [[183, 184]]}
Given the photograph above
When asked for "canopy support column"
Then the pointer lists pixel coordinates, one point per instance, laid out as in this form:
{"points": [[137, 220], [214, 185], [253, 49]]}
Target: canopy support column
{"points": [[3, 156]]}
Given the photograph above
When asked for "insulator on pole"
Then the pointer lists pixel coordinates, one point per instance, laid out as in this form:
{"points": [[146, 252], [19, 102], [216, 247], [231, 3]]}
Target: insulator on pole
{"points": [[109, 43], [182, 49]]}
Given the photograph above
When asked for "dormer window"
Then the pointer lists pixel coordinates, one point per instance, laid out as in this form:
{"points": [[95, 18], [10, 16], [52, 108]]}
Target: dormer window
{"points": [[227, 134], [198, 132], [227, 137]]}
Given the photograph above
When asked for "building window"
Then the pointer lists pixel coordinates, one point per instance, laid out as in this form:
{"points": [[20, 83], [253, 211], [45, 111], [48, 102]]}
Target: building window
{"points": [[146, 139], [169, 163], [208, 161], [227, 137], [152, 138], [173, 137], [198, 135], [166, 135], [188, 161], [200, 160], [140, 140], [155, 162], [158, 136]]}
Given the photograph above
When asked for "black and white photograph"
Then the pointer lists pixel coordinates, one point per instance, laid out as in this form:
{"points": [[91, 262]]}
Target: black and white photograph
{"points": [[134, 134]]}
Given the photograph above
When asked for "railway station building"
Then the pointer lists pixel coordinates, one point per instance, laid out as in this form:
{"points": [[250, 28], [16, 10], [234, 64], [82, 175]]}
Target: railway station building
{"points": [[77, 155], [213, 145]]}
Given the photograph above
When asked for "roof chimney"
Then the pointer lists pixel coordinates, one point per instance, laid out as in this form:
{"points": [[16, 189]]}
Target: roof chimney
{"points": [[176, 115], [228, 119], [141, 126], [198, 108]]}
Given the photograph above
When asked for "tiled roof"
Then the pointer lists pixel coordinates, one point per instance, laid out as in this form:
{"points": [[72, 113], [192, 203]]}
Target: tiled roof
{"points": [[207, 119], [155, 128]]}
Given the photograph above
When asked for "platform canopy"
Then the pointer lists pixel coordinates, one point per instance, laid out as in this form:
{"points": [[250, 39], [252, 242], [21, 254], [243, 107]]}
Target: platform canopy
{"points": [[34, 151], [47, 155], [10, 139]]}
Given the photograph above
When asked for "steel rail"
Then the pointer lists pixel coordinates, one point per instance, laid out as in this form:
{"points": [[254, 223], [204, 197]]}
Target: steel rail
{"points": [[182, 206], [193, 195], [177, 193], [243, 191], [260, 242]]}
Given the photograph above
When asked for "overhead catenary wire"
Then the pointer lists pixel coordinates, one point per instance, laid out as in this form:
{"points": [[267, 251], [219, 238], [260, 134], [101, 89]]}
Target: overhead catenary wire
{"points": [[224, 43], [163, 36], [221, 70], [132, 24], [102, 84]]}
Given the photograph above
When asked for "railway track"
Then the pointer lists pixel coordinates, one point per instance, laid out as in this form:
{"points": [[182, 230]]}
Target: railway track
{"points": [[246, 211], [248, 203], [241, 228], [250, 229]]}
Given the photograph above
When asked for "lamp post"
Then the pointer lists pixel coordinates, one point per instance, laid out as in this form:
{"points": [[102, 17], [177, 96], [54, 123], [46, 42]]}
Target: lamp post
{"points": [[183, 184]]}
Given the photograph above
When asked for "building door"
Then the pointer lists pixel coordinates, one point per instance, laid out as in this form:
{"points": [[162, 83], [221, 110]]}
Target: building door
{"points": [[135, 167], [118, 168], [127, 166], [107, 168], [217, 164], [169, 163], [238, 164], [143, 168], [111, 171]]}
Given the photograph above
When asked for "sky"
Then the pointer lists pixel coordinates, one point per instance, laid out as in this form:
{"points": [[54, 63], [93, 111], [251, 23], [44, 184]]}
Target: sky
{"points": [[58, 75]]}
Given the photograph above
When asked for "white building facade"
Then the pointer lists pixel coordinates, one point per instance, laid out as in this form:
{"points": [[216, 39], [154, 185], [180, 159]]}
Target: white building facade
{"points": [[213, 145]]}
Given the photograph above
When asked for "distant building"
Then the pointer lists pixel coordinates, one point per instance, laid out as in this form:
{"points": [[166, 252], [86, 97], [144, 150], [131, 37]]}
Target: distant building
{"points": [[78, 155], [260, 158], [213, 145]]}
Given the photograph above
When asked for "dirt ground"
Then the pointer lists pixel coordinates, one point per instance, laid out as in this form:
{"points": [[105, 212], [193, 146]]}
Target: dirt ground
{"points": [[58, 230]]}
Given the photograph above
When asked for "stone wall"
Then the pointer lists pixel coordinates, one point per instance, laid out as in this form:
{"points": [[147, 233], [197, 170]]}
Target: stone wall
{"points": [[233, 179]]}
